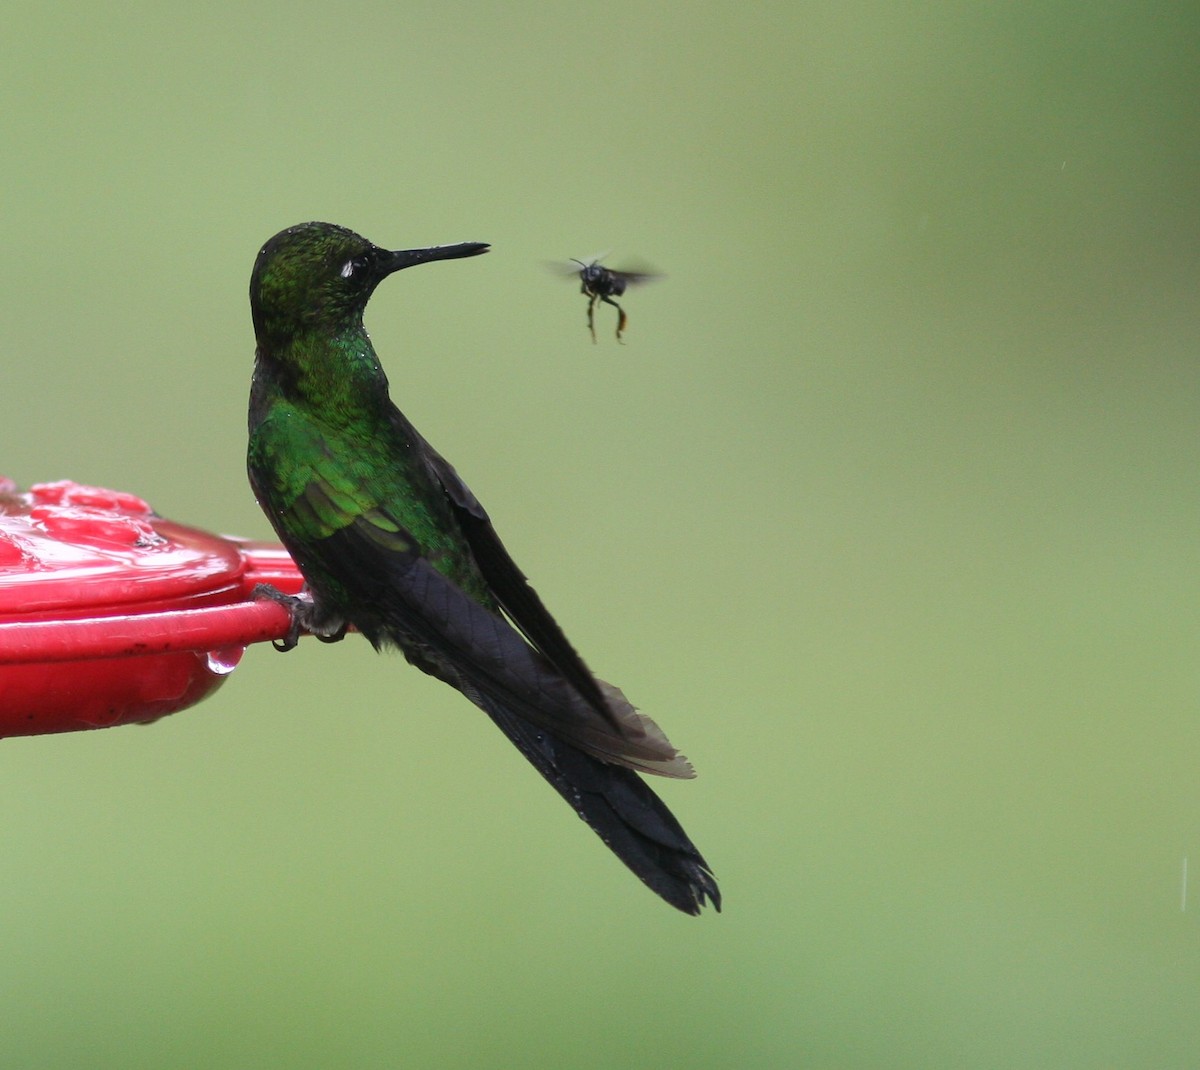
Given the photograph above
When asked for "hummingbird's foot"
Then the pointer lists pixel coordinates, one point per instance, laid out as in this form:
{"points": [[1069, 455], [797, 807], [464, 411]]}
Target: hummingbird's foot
{"points": [[306, 617]]}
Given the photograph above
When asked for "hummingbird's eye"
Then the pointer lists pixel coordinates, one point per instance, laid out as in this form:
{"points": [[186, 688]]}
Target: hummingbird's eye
{"points": [[350, 267]]}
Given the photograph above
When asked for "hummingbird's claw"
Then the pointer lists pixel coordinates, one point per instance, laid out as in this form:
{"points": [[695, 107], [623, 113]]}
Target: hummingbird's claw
{"points": [[305, 618]]}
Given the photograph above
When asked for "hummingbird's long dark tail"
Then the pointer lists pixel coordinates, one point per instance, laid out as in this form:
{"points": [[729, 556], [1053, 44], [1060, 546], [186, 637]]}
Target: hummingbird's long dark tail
{"points": [[633, 821]]}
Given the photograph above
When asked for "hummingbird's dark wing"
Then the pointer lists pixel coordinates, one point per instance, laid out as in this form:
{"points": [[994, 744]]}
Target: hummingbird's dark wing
{"points": [[509, 585], [627, 815], [365, 567], [475, 649], [456, 639]]}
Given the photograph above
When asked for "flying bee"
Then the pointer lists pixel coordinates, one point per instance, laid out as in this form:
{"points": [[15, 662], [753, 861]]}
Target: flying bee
{"points": [[599, 283]]}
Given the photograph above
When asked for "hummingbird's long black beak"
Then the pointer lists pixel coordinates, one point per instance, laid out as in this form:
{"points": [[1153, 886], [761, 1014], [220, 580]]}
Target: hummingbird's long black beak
{"points": [[404, 258]]}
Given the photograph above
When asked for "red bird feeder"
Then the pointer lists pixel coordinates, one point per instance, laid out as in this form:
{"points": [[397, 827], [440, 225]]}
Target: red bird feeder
{"points": [[111, 615]]}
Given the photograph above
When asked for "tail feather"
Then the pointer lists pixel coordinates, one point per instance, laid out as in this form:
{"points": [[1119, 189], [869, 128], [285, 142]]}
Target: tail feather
{"points": [[621, 809]]}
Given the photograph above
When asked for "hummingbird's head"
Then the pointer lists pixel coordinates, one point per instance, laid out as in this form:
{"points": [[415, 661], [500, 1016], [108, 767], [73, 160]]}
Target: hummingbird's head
{"points": [[318, 275]]}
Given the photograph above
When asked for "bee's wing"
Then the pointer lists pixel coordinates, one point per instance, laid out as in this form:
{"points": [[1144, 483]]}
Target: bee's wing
{"points": [[563, 269], [573, 266], [636, 274], [588, 261]]}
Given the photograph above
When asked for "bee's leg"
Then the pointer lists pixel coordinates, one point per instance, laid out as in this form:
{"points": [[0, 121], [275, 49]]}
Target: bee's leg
{"points": [[591, 315], [622, 319]]}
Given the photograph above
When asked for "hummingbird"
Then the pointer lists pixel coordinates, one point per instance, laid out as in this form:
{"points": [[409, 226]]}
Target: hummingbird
{"points": [[392, 542]]}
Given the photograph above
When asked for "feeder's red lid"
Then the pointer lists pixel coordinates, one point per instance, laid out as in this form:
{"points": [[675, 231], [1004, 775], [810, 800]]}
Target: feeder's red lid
{"points": [[110, 614]]}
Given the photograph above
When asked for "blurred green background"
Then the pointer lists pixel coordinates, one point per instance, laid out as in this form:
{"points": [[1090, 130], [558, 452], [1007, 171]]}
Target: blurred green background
{"points": [[887, 512]]}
